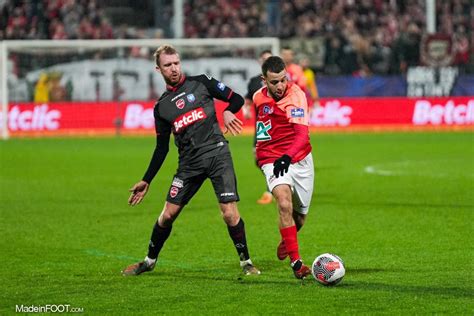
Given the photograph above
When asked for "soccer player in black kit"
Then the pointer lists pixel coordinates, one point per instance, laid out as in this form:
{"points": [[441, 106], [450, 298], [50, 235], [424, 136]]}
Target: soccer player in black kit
{"points": [[187, 110]]}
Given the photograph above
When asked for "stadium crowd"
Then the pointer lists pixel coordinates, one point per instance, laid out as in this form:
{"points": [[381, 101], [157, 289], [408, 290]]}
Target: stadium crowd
{"points": [[54, 19], [361, 36]]}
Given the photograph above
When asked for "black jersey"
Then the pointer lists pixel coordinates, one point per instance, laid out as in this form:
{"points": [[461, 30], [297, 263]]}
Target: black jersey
{"points": [[188, 111], [254, 84]]}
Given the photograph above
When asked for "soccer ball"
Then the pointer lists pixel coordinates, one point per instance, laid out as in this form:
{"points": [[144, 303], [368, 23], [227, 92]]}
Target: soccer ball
{"points": [[328, 269]]}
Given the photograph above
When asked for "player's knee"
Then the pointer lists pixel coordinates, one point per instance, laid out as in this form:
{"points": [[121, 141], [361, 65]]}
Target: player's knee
{"points": [[230, 219], [230, 214], [167, 217], [285, 206]]}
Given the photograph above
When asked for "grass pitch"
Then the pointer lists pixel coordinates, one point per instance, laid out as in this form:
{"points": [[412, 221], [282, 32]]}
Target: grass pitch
{"points": [[398, 208]]}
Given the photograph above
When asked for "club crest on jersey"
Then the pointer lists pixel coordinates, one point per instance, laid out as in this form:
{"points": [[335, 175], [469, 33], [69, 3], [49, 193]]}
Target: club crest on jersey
{"points": [[295, 113], [180, 104], [221, 86], [191, 98], [267, 109], [174, 191], [263, 129]]}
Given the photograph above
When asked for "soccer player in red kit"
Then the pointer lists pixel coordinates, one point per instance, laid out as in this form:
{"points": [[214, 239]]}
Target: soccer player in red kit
{"points": [[294, 72], [284, 155]]}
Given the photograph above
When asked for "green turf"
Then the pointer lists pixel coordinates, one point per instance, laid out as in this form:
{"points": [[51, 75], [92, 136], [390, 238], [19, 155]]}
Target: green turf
{"points": [[398, 208]]}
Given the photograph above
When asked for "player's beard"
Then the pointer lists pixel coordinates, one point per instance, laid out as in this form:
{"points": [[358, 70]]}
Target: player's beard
{"points": [[173, 79], [279, 96]]}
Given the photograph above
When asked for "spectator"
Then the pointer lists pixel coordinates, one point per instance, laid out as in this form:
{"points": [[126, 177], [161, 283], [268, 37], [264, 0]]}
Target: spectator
{"points": [[57, 92], [407, 49], [41, 93], [334, 56], [461, 47]]}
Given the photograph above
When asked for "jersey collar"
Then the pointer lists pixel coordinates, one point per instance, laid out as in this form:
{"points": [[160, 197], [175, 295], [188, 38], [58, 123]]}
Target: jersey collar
{"points": [[178, 85]]}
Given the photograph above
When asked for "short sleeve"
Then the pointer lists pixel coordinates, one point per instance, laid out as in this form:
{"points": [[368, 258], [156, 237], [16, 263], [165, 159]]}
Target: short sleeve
{"points": [[297, 107]]}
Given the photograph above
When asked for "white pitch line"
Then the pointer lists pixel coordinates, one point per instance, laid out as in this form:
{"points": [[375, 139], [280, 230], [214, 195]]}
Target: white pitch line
{"points": [[400, 168], [374, 170]]}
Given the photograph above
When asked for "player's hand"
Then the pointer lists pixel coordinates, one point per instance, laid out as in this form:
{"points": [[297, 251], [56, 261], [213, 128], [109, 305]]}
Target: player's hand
{"points": [[139, 191], [232, 123], [281, 165]]}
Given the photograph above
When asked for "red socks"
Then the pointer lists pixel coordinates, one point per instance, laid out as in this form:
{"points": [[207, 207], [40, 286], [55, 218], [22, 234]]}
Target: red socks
{"points": [[289, 236]]}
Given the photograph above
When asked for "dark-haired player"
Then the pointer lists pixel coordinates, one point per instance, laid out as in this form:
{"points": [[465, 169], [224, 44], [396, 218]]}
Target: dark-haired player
{"points": [[284, 155], [187, 110]]}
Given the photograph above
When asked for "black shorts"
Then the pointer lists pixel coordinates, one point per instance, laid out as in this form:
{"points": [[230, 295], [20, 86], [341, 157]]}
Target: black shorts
{"points": [[190, 176]]}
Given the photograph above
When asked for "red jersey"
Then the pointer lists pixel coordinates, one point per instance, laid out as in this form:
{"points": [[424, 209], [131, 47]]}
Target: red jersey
{"points": [[295, 74], [274, 123]]}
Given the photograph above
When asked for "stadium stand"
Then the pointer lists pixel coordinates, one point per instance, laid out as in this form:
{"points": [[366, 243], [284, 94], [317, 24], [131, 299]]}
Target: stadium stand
{"points": [[361, 37]]}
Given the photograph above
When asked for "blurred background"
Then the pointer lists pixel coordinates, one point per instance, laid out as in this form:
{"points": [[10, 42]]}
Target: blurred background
{"points": [[89, 53]]}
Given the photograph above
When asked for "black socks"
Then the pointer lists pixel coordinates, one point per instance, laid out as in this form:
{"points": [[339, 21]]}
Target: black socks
{"points": [[158, 238], [237, 233]]}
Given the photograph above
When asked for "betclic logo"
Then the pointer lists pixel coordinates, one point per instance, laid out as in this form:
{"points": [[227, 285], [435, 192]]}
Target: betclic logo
{"points": [[40, 118], [449, 113], [188, 118], [333, 113]]}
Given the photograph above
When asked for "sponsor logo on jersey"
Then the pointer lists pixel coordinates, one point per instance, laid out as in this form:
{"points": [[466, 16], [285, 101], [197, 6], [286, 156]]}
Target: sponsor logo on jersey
{"points": [[188, 118], [221, 86], [174, 191], [178, 96], [180, 104], [177, 182], [228, 194], [263, 130], [191, 98], [295, 113]]}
